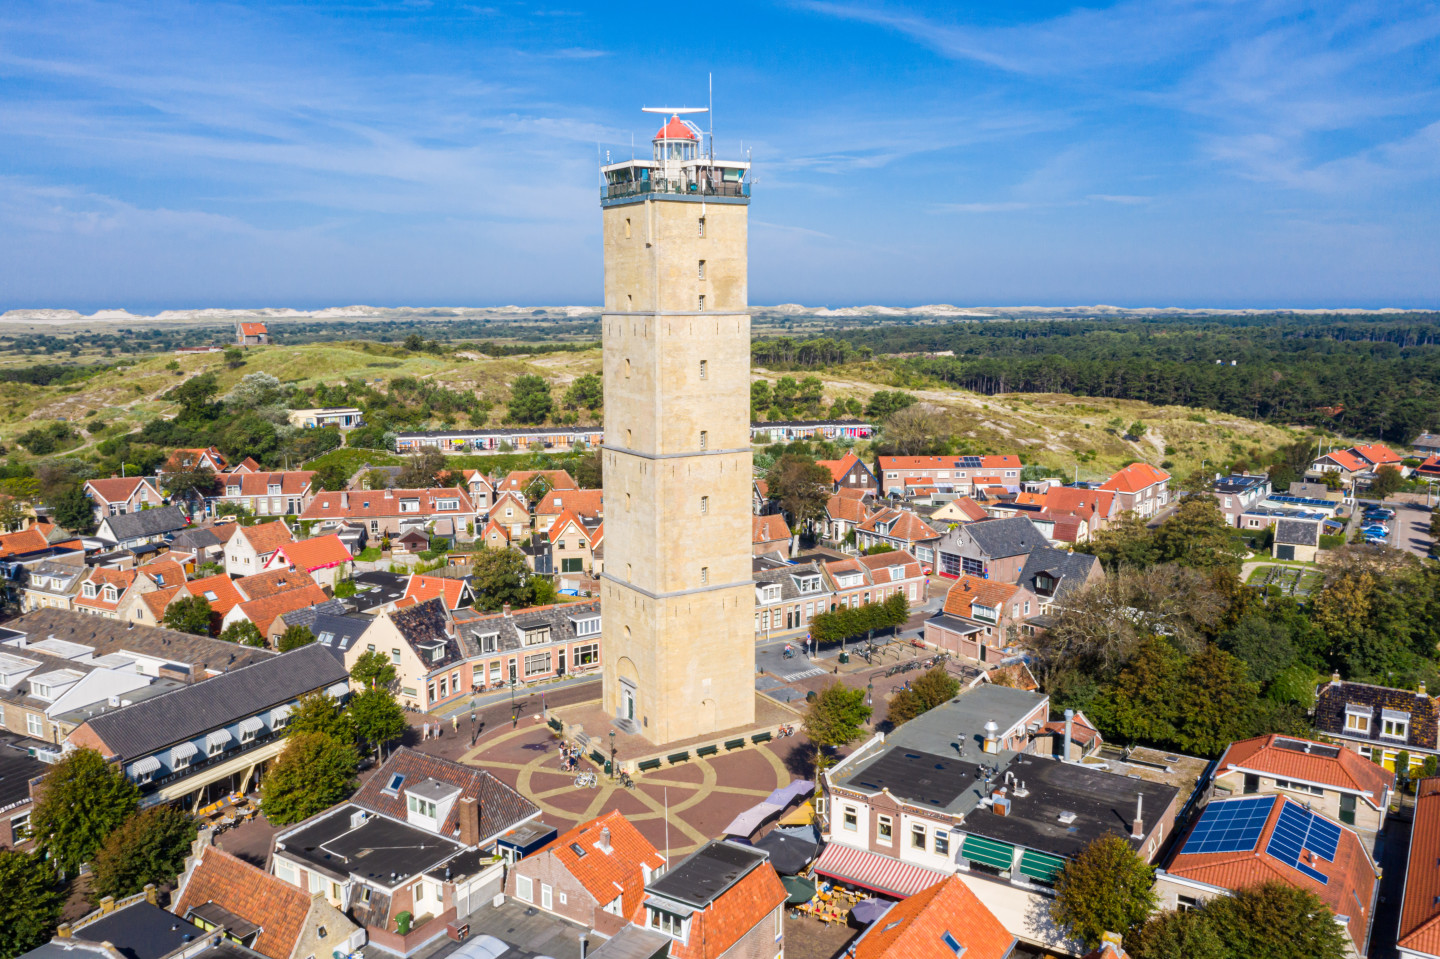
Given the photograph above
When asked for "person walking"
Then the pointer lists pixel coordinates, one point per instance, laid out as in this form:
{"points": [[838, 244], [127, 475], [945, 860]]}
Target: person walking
{"points": [[455, 724]]}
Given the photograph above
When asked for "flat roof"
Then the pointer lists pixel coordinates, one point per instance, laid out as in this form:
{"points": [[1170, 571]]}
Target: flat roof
{"points": [[141, 931], [706, 873], [381, 851]]}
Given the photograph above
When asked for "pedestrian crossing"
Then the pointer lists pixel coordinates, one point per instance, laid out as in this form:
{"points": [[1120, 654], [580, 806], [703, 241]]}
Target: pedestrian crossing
{"points": [[804, 674]]}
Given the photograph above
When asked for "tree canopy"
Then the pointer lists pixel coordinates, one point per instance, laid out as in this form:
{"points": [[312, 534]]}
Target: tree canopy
{"points": [[500, 576], [189, 614], [314, 772], [1106, 888], [150, 846], [530, 399], [373, 669], [802, 486], [1270, 921], [30, 907], [82, 799], [377, 718]]}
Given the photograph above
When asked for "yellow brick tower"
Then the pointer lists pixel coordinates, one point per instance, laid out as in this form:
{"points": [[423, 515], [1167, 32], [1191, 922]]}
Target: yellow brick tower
{"points": [[678, 597]]}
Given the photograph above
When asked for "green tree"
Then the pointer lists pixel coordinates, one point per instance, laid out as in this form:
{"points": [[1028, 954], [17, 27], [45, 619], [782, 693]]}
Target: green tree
{"points": [[333, 477], [1275, 921], [243, 632], [318, 713], [1264, 646], [1106, 888], [588, 391], [1136, 430], [189, 614], [905, 705], [82, 799], [294, 638], [378, 719], [74, 511], [935, 687], [234, 357], [1216, 702], [150, 846], [415, 343], [314, 772], [1198, 536], [374, 670], [530, 399], [30, 908], [421, 470], [760, 398], [500, 576], [12, 514], [835, 718], [196, 396], [885, 403], [589, 471], [201, 482], [1387, 482], [802, 486], [1176, 935]]}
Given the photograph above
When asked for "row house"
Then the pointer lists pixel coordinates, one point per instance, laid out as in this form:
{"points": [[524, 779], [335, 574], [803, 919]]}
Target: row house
{"points": [[17, 768], [37, 542], [51, 585], [850, 472], [340, 417], [982, 619], [199, 460], [1356, 463], [421, 643], [454, 593], [973, 788], [481, 490], [1140, 488], [789, 595], [769, 534], [284, 493], [844, 511], [874, 579], [117, 496], [790, 430], [1051, 574], [144, 532], [1095, 508], [950, 474], [1379, 722], [111, 593], [575, 545], [383, 511], [586, 503], [533, 484], [515, 438], [899, 529], [261, 912], [418, 837], [321, 556], [1419, 930], [212, 737], [264, 599], [248, 549], [530, 645]]}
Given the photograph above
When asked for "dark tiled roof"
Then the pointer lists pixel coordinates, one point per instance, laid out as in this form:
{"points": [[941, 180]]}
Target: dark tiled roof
{"points": [[337, 632], [195, 539], [140, 931], [1332, 698], [17, 768], [559, 618], [113, 636], [1071, 569], [146, 522], [424, 625], [501, 807], [1297, 532], [1005, 537], [153, 724]]}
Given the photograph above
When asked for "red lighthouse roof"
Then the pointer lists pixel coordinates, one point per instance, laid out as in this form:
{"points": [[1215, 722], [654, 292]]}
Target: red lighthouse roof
{"points": [[675, 130]]}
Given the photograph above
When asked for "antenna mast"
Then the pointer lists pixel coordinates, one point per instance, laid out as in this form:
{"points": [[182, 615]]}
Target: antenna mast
{"points": [[710, 110]]}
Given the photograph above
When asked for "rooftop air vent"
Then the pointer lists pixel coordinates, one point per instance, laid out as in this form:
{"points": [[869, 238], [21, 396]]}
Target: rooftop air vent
{"points": [[1067, 817]]}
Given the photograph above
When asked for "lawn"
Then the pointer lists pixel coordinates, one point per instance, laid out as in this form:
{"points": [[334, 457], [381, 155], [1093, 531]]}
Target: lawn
{"points": [[1298, 580]]}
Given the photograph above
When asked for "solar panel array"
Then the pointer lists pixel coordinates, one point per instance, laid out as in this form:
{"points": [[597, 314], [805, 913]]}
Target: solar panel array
{"points": [[1230, 826], [1299, 829], [970, 462]]}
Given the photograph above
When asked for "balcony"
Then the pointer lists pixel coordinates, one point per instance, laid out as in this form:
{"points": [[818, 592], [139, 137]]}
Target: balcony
{"points": [[702, 187]]}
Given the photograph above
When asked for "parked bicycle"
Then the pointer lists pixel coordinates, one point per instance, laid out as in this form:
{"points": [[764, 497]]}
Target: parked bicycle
{"points": [[784, 731], [586, 780], [626, 781]]}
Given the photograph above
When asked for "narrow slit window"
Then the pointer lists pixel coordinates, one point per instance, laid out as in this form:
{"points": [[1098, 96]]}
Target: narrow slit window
{"points": [[627, 228], [702, 302], [704, 369], [704, 575], [704, 439], [702, 226], [701, 271], [704, 505]]}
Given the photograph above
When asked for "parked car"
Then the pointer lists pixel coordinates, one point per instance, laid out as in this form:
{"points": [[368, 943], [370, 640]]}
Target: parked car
{"points": [[1379, 529], [1377, 540], [1379, 512]]}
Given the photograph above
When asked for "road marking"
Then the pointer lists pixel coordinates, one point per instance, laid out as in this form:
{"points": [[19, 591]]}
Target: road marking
{"points": [[792, 677]]}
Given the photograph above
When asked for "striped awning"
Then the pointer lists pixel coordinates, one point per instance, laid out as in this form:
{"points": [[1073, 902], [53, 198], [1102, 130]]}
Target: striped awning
{"points": [[281, 712], [870, 870], [998, 855], [1041, 866], [218, 738], [252, 724], [336, 690], [148, 764], [182, 751]]}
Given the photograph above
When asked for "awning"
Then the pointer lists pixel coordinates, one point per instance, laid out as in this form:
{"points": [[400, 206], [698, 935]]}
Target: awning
{"points": [[802, 815], [252, 724], [1041, 866], [753, 818], [182, 751], [785, 795], [337, 690], [281, 712], [218, 738], [140, 767], [1000, 855], [873, 871]]}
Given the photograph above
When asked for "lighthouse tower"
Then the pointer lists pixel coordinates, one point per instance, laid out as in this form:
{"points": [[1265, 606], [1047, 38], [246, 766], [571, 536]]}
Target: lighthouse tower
{"points": [[678, 598]]}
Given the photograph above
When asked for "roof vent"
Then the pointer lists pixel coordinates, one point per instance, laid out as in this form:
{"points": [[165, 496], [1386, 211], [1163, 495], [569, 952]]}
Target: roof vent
{"points": [[1067, 817]]}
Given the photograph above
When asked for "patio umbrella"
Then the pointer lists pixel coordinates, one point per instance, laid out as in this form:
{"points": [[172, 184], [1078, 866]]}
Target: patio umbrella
{"points": [[800, 890], [867, 911], [788, 854]]}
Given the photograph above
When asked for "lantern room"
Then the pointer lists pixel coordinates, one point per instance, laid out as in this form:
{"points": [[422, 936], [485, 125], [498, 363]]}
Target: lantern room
{"points": [[677, 140]]}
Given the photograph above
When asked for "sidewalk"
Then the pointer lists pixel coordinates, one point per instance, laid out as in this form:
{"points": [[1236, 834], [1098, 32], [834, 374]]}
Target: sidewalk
{"points": [[521, 693]]}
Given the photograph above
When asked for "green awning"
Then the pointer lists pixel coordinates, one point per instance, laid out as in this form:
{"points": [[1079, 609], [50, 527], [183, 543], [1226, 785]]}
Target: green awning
{"points": [[1000, 855], [1038, 865]]}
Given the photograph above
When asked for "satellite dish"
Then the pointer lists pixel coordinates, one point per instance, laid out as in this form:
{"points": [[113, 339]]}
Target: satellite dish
{"points": [[675, 111]]}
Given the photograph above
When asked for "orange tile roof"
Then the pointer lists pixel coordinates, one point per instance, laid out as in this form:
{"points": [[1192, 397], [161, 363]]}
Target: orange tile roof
{"points": [[320, 552], [253, 329], [733, 914], [118, 489], [847, 508], [586, 502], [1008, 461], [914, 927], [606, 874], [769, 529], [266, 537], [224, 531], [1351, 877], [292, 482], [272, 582], [1135, 477], [271, 903], [970, 508], [365, 503], [906, 525], [1377, 454], [164, 572], [838, 468], [25, 541], [421, 588], [1348, 770], [519, 479], [1347, 460], [565, 520], [1420, 908], [103, 576], [157, 599], [1083, 502], [186, 460], [492, 530], [970, 589], [247, 465], [879, 566], [226, 595], [262, 612]]}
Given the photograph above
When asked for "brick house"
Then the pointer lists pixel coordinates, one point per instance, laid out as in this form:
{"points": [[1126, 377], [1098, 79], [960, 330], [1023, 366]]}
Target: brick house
{"points": [[250, 548], [512, 513], [321, 556], [594, 874], [850, 472], [899, 529], [769, 534], [111, 593], [422, 644], [588, 504], [251, 334], [994, 549], [529, 483], [573, 542], [52, 585], [1140, 488], [951, 474], [529, 645], [1379, 722], [724, 899], [982, 619], [17, 769], [1052, 574], [844, 511], [283, 493], [116, 496], [1238, 493], [381, 512]]}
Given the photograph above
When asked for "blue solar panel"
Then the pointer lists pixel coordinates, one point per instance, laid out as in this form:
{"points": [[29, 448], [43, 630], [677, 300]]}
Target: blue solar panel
{"points": [[972, 462], [1230, 826], [1299, 829]]}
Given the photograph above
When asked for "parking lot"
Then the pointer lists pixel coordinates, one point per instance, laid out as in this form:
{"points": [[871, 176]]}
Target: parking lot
{"points": [[1410, 527]]}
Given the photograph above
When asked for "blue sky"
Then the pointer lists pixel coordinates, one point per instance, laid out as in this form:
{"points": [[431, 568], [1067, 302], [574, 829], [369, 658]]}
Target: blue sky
{"points": [[1154, 153]]}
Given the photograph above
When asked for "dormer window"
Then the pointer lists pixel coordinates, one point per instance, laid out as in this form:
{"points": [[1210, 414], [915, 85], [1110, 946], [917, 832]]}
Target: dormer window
{"points": [[110, 594], [273, 489], [1357, 720], [89, 590], [667, 923], [587, 627], [421, 807], [235, 491], [1394, 724], [489, 642], [446, 505]]}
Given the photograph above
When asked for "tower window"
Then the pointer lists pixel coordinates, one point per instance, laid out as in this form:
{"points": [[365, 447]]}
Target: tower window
{"points": [[702, 302], [627, 572], [702, 226], [629, 442], [704, 368], [629, 303], [704, 575], [627, 228], [704, 505], [704, 439], [701, 271]]}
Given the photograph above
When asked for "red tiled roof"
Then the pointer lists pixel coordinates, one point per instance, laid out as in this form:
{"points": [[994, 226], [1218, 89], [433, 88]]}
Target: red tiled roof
{"points": [[848, 508], [1069, 499], [763, 488], [272, 582], [118, 489], [164, 572], [266, 537], [226, 595], [914, 927], [1376, 454], [674, 130], [970, 508], [769, 529], [1347, 460], [224, 531], [1135, 477], [271, 903], [585, 502], [421, 588], [320, 552], [838, 468], [262, 612], [1420, 909], [606, 874], [157, 599], [247, 465], [253, 329], [520, 479], [733, 914], [1008, 461], [968, 589], [1351, 876], [366, 503], [501, 807], [103, 576], [1431, 466], [493, 527], [25, 541], [187, 460], [906, 525], [292, 482], [879, 566], [1348, 770]]}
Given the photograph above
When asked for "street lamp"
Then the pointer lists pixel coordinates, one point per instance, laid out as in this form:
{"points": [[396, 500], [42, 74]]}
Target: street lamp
{"points": [[514, 710], [612, 755], [473, 734], [870, 693]]}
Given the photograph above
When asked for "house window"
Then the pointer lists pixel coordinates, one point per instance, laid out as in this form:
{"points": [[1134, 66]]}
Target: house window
{"points": [[884, 829], [536, 664], [1186, 903], [667, 922], [525, 888], [395, 657], [851, 820], [942, 843], [536, 637], [1357, 722], [587, 627], [34, 725], [587, 655], [215, 748], [1395, 728], [917, 836], [488, 642]]}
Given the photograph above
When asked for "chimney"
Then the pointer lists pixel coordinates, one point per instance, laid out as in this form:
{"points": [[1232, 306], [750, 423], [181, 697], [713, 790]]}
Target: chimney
{"points": [[151, 895], [63, 932], [505, 610], [992, 736], [1137, 829], [1421, 689], [604, 844], [1335, 678], [469, 815], [107, 904], [1069, 733]]}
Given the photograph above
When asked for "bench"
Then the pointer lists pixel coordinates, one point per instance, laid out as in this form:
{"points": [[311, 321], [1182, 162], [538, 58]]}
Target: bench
{"points": [[760, 738], [707, 750], [736, 743]]}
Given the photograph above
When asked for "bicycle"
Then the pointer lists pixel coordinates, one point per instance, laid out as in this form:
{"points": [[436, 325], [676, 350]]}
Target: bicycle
{"points": [[586, 780], [784, 731], [626, 781]]}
